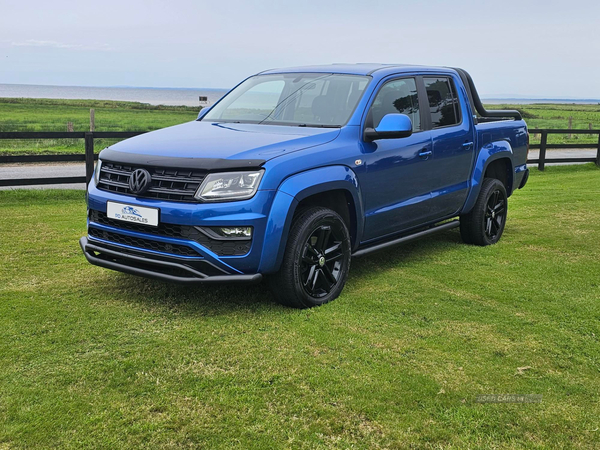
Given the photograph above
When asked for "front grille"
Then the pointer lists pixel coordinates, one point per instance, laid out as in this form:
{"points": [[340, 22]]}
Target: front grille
{"points": [[147, 244], [219, 247], [178, 185]]}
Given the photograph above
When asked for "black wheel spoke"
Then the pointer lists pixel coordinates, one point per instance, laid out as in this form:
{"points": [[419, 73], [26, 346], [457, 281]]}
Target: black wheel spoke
{"points": [[331, 279], [307, 260], [325, 281], [315, 279], [311, 249], [335, 257], [326, 239], [493, 227], [333, 248], [311, 275], [322, 238]]}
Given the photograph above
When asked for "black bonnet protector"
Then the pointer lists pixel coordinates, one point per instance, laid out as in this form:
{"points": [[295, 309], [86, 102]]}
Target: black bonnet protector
{"points": [[136, 159]]}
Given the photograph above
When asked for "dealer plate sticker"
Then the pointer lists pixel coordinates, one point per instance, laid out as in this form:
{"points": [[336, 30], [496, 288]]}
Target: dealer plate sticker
{"points": [[129, 213]]}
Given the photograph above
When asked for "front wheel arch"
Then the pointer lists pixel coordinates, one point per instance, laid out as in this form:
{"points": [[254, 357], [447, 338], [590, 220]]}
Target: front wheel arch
{"points": [[310, 185]]}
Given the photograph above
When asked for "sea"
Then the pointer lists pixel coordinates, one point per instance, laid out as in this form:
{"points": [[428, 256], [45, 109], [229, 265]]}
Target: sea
{"points": [[185, 96], [152, 96]]}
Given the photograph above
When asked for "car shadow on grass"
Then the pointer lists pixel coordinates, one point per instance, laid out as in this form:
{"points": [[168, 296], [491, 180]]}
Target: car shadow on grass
{"points": [[404, 254], [224, 299]]}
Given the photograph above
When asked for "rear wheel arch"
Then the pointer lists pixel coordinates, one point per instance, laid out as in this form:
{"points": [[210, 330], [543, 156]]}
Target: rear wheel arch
{"points": [[495, 160], [501, 169]]}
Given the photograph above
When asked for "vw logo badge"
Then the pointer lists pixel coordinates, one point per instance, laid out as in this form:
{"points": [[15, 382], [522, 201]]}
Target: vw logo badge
{"points": [[140, 181]]}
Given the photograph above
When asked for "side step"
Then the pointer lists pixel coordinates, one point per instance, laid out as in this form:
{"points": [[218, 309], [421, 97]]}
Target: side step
{"points": [[410, 237]]}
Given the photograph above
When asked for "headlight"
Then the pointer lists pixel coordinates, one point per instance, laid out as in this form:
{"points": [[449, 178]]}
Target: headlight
{"points": [[97, 172], [229, 186]]}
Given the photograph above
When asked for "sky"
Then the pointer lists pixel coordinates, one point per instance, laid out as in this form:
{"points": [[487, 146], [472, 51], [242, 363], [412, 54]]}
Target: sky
{"points": [[535, 49]]}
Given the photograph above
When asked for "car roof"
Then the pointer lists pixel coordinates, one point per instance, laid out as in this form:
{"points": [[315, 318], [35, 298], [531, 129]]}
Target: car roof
{"points": [[359, 69]]}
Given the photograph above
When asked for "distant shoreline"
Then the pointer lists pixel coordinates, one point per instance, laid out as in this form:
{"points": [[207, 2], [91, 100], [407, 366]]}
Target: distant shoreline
{"points": [[152, 96], [110, 87], [186, 96]]}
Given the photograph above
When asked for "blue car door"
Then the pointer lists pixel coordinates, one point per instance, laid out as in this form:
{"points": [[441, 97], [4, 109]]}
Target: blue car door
{"points": [[397, 181], [452, 136]]}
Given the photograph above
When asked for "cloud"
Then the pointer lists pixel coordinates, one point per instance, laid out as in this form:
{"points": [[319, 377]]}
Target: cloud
{"points": [[61, 45]]}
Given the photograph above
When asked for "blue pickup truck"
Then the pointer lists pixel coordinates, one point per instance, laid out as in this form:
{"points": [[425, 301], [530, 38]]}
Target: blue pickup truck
{"points": [[296, 171]]}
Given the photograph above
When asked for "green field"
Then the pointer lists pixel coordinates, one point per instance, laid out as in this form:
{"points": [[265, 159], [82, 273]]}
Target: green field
{"points": [[91, 358], [557, 116], [53, 115]]}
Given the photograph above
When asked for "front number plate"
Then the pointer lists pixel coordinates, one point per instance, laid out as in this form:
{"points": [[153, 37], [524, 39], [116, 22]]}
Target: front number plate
{"points": [[129, 213]]}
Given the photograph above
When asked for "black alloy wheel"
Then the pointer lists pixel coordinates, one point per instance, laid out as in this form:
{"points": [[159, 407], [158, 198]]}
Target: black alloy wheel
{"points": [[322, 260], [495, 215], [316, 260], [485, 223]]}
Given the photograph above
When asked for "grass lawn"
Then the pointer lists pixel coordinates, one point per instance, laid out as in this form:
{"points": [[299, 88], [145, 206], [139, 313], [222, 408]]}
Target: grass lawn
{"points": [[95, 358]]}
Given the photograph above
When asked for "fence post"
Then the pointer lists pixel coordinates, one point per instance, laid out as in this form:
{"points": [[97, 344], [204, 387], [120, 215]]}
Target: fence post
{"points": [[89, 157], [542, 157], [598, 152], [92, 119]]}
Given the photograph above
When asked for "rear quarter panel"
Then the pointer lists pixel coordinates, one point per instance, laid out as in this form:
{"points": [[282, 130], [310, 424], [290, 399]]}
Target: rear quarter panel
{"points": [[514, 132], [496, 140]]}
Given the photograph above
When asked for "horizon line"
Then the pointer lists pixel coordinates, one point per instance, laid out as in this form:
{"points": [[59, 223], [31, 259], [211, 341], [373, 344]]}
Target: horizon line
{"points": [[483, 96]]}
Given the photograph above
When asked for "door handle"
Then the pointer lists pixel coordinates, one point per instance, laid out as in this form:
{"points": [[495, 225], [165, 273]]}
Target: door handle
{"points": [[425, 154], [467, 146]]}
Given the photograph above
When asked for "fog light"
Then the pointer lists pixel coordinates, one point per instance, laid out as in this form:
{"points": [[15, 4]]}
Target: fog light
{"points": [[235, 232]]}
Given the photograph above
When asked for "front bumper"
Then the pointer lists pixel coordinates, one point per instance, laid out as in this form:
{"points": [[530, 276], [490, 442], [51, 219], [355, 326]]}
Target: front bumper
{"points": [[166, 269], [175, 251]]}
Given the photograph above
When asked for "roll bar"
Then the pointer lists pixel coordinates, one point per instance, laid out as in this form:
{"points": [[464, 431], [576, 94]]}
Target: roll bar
{"points": [[476, 101]]}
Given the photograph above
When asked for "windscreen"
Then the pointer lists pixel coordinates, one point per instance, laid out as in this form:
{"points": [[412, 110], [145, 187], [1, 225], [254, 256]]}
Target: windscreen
{"points": [[296, 99]]}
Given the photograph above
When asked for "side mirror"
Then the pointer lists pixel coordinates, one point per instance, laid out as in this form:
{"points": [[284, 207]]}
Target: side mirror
{"points": [[392, 126], [203, 112]]}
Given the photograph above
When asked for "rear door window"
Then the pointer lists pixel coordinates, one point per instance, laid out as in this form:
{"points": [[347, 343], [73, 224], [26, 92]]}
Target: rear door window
{"points": [[443, 101]]}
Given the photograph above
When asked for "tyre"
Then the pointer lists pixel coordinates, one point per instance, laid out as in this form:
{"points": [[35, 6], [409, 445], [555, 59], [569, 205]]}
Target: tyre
{"points": [[316, 261], [485, 223]]}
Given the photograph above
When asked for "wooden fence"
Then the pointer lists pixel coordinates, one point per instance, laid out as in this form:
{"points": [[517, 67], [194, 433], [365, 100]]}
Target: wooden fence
{"points": [[90, 136], [541, 161], [88, 156]]}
